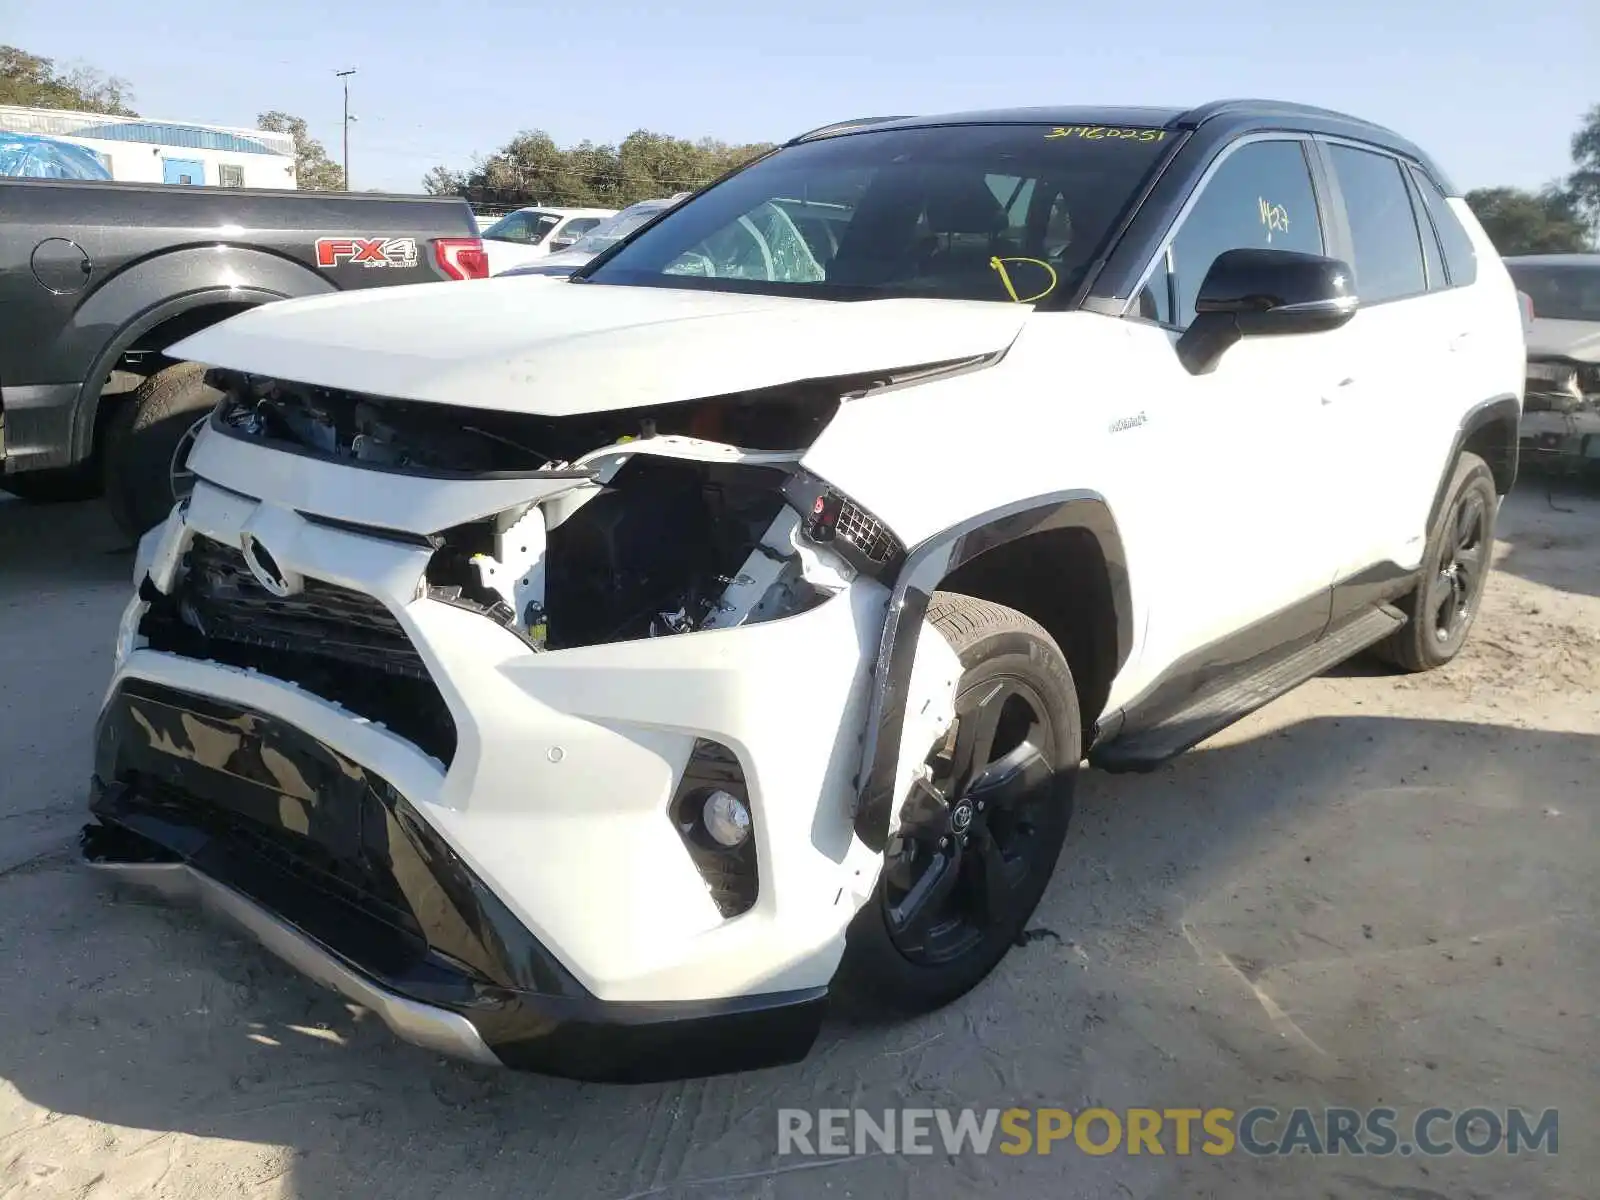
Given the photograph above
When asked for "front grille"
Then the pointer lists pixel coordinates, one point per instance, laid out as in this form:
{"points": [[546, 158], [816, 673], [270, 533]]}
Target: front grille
{"points": [[339, 644]]}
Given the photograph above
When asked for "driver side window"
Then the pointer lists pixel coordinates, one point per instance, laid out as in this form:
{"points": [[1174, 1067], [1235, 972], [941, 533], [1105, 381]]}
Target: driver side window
{"points": [[1261, 197]]}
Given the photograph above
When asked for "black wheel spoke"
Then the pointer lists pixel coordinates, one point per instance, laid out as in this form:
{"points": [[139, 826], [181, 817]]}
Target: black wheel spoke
{"points": [[911, 918], [1011, 782], [995, 891], [975, 731]]}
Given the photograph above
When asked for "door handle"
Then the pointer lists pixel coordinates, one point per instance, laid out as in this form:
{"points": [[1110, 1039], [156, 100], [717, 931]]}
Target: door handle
{"points": [[1460, 339]]}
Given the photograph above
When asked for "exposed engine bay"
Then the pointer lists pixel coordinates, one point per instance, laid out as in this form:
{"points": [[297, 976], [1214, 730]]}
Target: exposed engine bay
{"points": [[652, 521]]}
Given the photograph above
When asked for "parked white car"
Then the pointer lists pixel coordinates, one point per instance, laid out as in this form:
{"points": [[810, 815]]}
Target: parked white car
{"points": [[583, 674], [529, 234], [602, 237]]}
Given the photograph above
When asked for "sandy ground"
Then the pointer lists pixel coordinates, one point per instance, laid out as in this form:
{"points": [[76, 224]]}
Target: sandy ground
{"points": [[1376, 891]]}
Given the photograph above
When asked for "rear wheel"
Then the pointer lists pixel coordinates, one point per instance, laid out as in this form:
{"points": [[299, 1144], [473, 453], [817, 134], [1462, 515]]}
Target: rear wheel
{"points": [[1455, 567], [983, 826], [147, 445]]}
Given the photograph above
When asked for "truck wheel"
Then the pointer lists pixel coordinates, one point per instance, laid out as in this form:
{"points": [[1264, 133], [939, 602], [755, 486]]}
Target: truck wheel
{"points": [[147, 445], [981, 836], [54, 486], [1455, 567]]}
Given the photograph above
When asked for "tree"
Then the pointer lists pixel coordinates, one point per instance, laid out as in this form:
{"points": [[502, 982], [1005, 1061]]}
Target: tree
{"points": [[532, 169], [314, 170], [441, 181], [1523, 222], [35, 82], [1584, 182]]}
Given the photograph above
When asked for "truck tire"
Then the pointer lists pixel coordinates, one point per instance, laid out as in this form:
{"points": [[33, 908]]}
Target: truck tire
{"points": [[963, 875], [55, 486], [1455, 567], [149, 431]]}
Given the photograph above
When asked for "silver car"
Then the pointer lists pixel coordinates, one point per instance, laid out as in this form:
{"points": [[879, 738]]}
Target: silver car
{"points": [[1561, 411]]}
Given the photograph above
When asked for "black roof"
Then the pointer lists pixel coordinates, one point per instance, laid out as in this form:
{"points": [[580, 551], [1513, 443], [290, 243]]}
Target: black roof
{"points": [[1227, 116]]}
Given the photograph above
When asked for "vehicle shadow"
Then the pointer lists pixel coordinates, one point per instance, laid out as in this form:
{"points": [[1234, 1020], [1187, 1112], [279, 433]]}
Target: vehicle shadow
{"points": [[1341, 911], [60, 544], [1549, 527]]}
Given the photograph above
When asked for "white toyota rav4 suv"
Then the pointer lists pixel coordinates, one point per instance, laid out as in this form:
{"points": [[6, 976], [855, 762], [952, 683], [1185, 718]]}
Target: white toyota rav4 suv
{"points": [[582, 675]]}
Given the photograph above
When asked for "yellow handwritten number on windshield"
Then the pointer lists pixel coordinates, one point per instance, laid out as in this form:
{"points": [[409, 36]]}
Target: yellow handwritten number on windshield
{"points": [[999, 264]]}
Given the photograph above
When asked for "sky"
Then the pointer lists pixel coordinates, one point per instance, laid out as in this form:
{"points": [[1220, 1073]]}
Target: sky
{"points": [[1492, 91]]}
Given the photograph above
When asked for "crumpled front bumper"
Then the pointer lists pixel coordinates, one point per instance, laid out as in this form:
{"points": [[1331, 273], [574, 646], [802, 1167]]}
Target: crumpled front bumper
{"points": [[553, 808]]}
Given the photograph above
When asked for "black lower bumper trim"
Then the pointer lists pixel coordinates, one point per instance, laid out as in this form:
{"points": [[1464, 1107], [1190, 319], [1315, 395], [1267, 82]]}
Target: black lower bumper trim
{"points": [[364, 884]]}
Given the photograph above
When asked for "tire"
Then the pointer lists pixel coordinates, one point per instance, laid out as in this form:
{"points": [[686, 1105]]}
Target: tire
{"points": [[1455, 568], [898, 960], [143, 437], [56, 486]]}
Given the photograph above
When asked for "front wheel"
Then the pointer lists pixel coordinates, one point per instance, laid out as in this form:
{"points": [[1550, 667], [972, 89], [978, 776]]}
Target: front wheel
{"points": [[147, 446], [983, 827]]}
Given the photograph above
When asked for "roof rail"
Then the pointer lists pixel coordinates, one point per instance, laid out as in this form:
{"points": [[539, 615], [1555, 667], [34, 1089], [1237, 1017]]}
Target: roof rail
{"points": [[1266, 108], [845, 127]]}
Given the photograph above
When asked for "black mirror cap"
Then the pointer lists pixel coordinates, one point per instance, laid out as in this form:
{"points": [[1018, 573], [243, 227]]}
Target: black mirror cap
{"points": [[1279, 291], [1253, 293]]}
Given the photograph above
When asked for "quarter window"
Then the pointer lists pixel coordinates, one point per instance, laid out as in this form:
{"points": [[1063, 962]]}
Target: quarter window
{"points": [[1383, 226], [1460, 256], [1261, 197], [1437, 279]]}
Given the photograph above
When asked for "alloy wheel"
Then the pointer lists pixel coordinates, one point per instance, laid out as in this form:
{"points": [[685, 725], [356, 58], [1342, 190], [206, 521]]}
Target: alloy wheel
{"points": [[968, 843], [1453, 594], [179, 476]]}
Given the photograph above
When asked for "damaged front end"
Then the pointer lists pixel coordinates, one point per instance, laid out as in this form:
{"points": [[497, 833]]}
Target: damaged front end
{"points": [[685, 517], [428, 666], [1561, 411]]}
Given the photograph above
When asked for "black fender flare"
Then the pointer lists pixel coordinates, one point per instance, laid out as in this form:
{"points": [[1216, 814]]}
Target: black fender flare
{"points": [[179, 281], [925, 567], [1504, 411]]}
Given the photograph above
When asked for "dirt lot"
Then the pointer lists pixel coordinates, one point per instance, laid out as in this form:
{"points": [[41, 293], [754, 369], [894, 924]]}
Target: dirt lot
{"points": [[1377, 890]]}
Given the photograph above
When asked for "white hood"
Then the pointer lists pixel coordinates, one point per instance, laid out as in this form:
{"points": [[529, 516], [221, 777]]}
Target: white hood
{"points": [[552, 348]]}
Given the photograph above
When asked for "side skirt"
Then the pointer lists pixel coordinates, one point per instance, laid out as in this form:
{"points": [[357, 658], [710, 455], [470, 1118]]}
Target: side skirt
{"points": [[1209, 691]]}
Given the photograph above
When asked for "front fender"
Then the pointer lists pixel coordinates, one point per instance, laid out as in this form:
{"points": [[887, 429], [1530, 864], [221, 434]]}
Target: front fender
{"points": [[154, 290], [885, 763]]}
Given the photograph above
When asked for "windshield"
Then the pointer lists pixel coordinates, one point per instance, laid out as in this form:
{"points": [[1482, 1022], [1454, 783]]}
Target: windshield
{"points": [[1007, 213], [530, 228], [608, 233], [1560, 291]]}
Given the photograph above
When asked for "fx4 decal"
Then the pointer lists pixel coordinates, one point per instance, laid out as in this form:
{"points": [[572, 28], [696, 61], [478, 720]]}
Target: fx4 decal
{"points": [[367, 252]]}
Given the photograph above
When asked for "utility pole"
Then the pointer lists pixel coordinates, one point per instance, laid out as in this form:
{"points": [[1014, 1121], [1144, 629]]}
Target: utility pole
{"points": [[345, 77]]}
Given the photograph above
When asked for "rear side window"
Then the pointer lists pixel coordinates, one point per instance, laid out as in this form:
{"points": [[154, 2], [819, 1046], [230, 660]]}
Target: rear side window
{"points": [[1259, 198], [1460, 256], [1383, 227]]}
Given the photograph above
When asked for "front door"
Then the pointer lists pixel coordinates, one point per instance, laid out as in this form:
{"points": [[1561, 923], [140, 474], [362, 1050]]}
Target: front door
{"points": [[183, 170], [1247, 491]]}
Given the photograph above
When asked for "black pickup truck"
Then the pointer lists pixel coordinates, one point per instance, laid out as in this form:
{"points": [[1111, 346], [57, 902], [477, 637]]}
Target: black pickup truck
{"points": [[98, 279]]}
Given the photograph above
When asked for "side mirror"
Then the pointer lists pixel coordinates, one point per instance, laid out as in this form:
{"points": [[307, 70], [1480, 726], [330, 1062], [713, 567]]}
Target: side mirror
{"points": [[560, 244], [1256, 293]]}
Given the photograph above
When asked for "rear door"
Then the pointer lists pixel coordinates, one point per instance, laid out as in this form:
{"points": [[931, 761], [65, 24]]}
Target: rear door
{"points": [[1405, 346]]}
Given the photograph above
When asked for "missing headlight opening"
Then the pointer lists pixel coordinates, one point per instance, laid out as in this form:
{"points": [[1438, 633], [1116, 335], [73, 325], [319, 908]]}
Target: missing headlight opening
{"points": [[672, 519]]}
